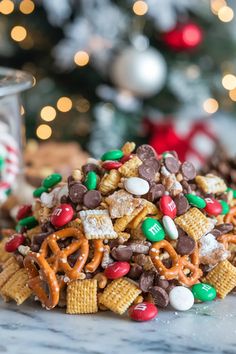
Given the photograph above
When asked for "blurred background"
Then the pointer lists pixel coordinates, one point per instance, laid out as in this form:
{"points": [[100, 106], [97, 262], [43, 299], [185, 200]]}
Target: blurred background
{"points": [[154, 71]]}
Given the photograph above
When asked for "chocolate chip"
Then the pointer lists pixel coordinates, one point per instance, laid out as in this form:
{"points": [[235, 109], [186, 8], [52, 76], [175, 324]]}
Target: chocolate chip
{"points": [[34, 247], [185, 245], [146, 172], [170, 287], [72, 258], [70, 180], [64, 199], [160, 296], [122, 253], [162, 283], [38, 239], [76, 192], [89, 167], [92, 199], [154, 163], [182, 204], [174, 153], [146, 280], [139, 246], [172, 164], [47, 227], [145, 152], [186, 187], [167, 262], [156, 192], [216, 233], [19, 258], [188, 170], [224, 228], [135, 271]]}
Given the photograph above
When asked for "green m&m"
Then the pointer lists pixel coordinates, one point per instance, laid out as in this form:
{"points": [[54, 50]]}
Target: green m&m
{"points": [[225, 207], [112, 155], [51, 180], [153, 230], [91, 180], [195, 200], [37, 192], [28, 222], [204, 292]]}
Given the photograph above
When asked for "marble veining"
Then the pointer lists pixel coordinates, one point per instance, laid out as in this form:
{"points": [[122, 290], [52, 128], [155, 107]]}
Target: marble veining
{"points": [[206, 328]]}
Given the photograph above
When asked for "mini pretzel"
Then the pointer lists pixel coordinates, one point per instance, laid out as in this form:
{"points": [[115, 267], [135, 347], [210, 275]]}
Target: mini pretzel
{"points": [[48, 267], [97, 257], [226, 239], [178, 263], [231, 216], [193, 266], [169, 273]]}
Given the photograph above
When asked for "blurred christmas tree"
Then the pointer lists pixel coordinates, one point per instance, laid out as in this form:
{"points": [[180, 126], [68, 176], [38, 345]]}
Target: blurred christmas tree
{"points": [[110, 70]]}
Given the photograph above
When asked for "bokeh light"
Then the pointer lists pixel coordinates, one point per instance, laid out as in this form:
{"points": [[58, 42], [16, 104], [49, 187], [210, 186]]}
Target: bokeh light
{"points": [[232, 94], [6, 7], [225, 14], [48, 113], [27, 7], [140, 8], [64, 104], [229, 81], [210, 105], [43, 131], [81, 58], [18, 33]]}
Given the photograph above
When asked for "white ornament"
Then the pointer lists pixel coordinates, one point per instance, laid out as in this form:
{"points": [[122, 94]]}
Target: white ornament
{"points": [[143, 73], [181, 298], [136, 185]]}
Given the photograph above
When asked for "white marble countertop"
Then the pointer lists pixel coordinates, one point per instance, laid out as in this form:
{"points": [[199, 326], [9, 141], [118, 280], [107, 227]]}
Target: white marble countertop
{"points": [[206, 328]]}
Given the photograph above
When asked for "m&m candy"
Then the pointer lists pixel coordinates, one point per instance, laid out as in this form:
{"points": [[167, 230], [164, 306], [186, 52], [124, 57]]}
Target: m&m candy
{"points": [[14, 242], [213, 207], [145, 311], [62, 215], [167, 206], [117, 270]]}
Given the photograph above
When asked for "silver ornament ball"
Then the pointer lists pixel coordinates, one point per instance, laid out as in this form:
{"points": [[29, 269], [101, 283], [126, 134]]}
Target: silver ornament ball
{"points": [[143, 73]]}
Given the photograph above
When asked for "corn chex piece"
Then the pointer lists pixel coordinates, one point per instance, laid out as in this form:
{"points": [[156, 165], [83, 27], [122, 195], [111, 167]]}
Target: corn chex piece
{"points": [[119, 295], [82, 296], [211, 184], [122, 203], [97, 224], [4, 256], [9, 268], [138, 218], [16, 287], [35, 231], [109, 182], [194, 223], [130, 167], [75, 223], [222, 277], [128, 147], [121, 223]]}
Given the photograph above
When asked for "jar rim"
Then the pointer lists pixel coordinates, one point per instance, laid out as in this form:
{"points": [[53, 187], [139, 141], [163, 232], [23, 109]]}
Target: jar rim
{"points": [[14, 81]]}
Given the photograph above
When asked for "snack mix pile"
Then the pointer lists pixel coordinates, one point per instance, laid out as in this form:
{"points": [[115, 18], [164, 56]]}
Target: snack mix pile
{"points": [[133, 231]]}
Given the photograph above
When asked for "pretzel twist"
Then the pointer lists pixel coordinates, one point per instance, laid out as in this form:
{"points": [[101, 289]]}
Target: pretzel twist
{"points": [[226, 239], [179, 264], [97, 257], [49, 266], [231, 216]]}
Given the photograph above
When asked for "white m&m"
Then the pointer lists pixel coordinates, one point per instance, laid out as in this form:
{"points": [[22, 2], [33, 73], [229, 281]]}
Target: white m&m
{"points": [[181, 298], [136, 185]]}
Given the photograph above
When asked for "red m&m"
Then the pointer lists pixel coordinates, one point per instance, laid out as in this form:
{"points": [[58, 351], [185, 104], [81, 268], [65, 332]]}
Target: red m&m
{"points": [[126, 158], [213, 207], [117, 270], [24, 211], [62, 215], [168, 206], [145, 311], [14, 242], [110, 165]]}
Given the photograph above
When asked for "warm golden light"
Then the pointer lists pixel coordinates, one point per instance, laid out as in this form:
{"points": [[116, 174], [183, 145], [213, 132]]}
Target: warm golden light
{"points": [[27, 7], [210, 105], [6, 7], [81, 58], [64, 104], [229, 82], [226, 14], [22, 110], [232, 94], [18, 33], [48, 113], [82, 105], [43, 131], [216, 5], [140, 8]]}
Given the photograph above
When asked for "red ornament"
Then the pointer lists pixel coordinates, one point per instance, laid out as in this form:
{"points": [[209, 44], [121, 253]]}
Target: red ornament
{"points": [[110, 165], [117, 270], [184, 36], [62, 215], [213, 207], [14, 242], [145, 311], [24, 211], [167, 206]]}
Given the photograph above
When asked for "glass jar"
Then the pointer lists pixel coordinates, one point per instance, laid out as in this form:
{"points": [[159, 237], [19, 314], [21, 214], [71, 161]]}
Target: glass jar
{"points": [[12, 84]]}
